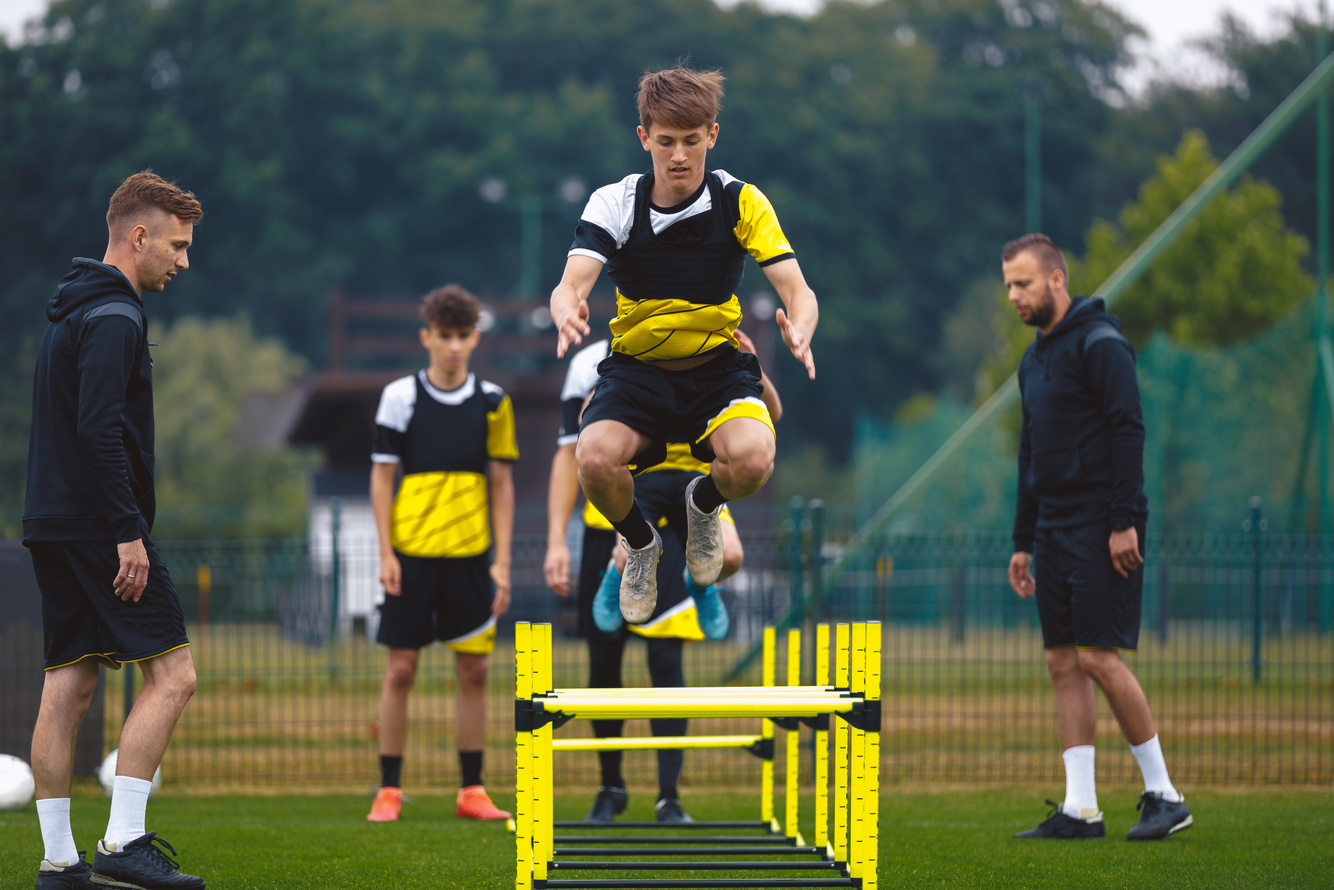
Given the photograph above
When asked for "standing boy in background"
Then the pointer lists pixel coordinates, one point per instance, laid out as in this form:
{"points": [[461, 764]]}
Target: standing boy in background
{"points": [[106, 595], [1082, 513], [453, 437]]}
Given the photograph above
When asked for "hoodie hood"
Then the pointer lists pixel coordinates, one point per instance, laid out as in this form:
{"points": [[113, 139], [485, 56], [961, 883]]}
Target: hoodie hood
{"points": [[89, 281]]}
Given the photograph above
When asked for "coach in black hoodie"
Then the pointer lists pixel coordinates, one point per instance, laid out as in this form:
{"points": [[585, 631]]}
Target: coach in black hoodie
{"points": [[1082, 511], [106, 595]]}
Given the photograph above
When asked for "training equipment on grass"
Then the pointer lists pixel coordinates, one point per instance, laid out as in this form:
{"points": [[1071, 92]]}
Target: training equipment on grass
{"points": [[16, 785], [106, 776], [844, 857]]}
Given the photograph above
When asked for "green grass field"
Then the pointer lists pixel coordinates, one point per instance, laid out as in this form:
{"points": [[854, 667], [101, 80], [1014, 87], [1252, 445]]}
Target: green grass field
{"points": [[1272, 838]]}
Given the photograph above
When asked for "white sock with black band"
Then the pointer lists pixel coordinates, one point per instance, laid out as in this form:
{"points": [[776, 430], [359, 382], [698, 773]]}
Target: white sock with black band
{"points": [[53, 816]]}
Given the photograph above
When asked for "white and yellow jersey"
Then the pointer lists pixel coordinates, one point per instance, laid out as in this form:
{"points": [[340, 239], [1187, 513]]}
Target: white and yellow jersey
{"points": [[677, 269]]}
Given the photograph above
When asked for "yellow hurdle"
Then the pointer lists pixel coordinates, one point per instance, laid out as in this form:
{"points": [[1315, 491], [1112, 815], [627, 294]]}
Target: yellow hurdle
{"points": [[852, 703]]}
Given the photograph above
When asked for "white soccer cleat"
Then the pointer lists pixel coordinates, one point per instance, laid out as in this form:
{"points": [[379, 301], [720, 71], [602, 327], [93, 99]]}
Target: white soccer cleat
{"points": [[639, 582], [704, 540]]}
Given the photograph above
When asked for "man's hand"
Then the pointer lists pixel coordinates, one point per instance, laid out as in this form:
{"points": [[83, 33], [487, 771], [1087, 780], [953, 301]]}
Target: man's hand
{"points": [[1021, 575], [500, 574], [1124, 547], [571, 327], [391, 574], [556, 569], [796, 341], [133, 575]]}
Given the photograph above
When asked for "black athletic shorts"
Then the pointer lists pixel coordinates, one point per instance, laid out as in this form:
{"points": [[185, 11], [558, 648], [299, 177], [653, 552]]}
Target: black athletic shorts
{"points": [[1082, 601], [675, 406], [83, 618], [443, 598]]}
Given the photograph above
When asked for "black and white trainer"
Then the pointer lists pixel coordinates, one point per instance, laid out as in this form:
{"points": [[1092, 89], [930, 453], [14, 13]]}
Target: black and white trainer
{"points": [[1159, 817], [670, 811], [140, 865], [610, 803], [66, 876], [1059, 826]]}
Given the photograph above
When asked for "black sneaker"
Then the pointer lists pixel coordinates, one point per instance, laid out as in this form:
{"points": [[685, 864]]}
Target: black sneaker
{"points": [[670, 810], [63, 877], [1059, 826], [610, 803], [1158, 817], [139, 865]]}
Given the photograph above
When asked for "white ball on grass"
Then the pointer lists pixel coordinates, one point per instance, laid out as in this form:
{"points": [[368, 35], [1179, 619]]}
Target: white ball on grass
{"points": [[16, 785], [106, 775]]}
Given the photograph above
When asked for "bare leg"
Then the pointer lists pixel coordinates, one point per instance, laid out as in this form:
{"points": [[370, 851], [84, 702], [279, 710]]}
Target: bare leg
{"points": [[734, 555], [1076, 704], [1123, 692], [743, 450], [400, 671], [604, 452], [471, 670], [66, 693], [169, 681]]}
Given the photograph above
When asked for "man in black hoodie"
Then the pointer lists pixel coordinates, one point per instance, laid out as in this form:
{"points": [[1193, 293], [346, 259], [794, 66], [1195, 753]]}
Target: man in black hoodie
{"points": [[106, 595], [1082, 511]]}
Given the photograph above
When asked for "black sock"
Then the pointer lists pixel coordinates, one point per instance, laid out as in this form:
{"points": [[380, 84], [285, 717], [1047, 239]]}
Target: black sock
{"points": [[635, 528], [667, 792], [610, 761], [706, 496], [470, 764], [391, 771]]}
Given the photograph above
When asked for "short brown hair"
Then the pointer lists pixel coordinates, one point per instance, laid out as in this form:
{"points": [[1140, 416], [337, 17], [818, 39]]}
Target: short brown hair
{"points": [[450, 308], [680, 97], [148, 191], [1042, 247]]}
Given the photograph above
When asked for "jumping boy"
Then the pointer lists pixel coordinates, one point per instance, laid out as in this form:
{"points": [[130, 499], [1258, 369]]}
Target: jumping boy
{"points": [[453, 437], [675, 241]]}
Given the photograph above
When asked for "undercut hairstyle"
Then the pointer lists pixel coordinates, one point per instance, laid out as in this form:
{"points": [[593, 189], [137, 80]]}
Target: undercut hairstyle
{"points": [[1048, 255], [146, 191], [450, 308], [680, 97]]}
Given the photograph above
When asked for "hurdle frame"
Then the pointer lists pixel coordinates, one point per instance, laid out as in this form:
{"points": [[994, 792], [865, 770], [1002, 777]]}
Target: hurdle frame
{"points": [[855, 701]]}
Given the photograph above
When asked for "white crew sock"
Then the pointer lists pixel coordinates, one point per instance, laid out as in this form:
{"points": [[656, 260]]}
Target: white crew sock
{"points": [[1151, 763], [129, 804], [1081, 793], [53, 816]]}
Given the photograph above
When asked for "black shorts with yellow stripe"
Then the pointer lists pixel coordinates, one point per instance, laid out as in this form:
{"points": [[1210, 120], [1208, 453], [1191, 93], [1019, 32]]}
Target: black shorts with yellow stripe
{"points": [[82, 617], [442, 599], [676, 406]]}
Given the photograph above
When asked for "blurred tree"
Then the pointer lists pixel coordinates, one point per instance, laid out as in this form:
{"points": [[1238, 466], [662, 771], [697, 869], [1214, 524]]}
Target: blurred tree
{"points": [[1230, 274]]}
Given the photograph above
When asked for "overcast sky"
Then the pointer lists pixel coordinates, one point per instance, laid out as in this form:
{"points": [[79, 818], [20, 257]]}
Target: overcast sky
{"points": [[1170, 23]]}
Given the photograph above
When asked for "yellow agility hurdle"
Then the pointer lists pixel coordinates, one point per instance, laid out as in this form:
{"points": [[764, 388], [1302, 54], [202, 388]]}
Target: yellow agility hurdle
{"points": [[847, 854]]}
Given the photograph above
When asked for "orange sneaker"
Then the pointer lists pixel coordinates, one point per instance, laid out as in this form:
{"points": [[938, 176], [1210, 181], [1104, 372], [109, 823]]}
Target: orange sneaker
{"points": [[387, 805], [474, 803]]}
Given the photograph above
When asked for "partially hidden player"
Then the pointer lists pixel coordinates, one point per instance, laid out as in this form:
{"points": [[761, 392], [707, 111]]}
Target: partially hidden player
{"points": [[684, 612], [445, 537], [675, 241], [1080, 520], [107, 597]]}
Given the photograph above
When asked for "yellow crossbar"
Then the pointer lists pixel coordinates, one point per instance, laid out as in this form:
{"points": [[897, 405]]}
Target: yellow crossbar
{"points": [[656, 743]]}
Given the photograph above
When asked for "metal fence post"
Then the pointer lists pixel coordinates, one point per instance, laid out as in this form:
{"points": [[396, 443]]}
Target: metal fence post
{"points": [[1257, 616], [796, 567], [817, 558]]}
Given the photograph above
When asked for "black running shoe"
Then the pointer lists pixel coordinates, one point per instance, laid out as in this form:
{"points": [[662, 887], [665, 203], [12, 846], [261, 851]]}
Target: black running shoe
{"points": [[64, 877], [670, 810], [1158, 817], [1059, 826], [139, 865], [610, 803]]}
